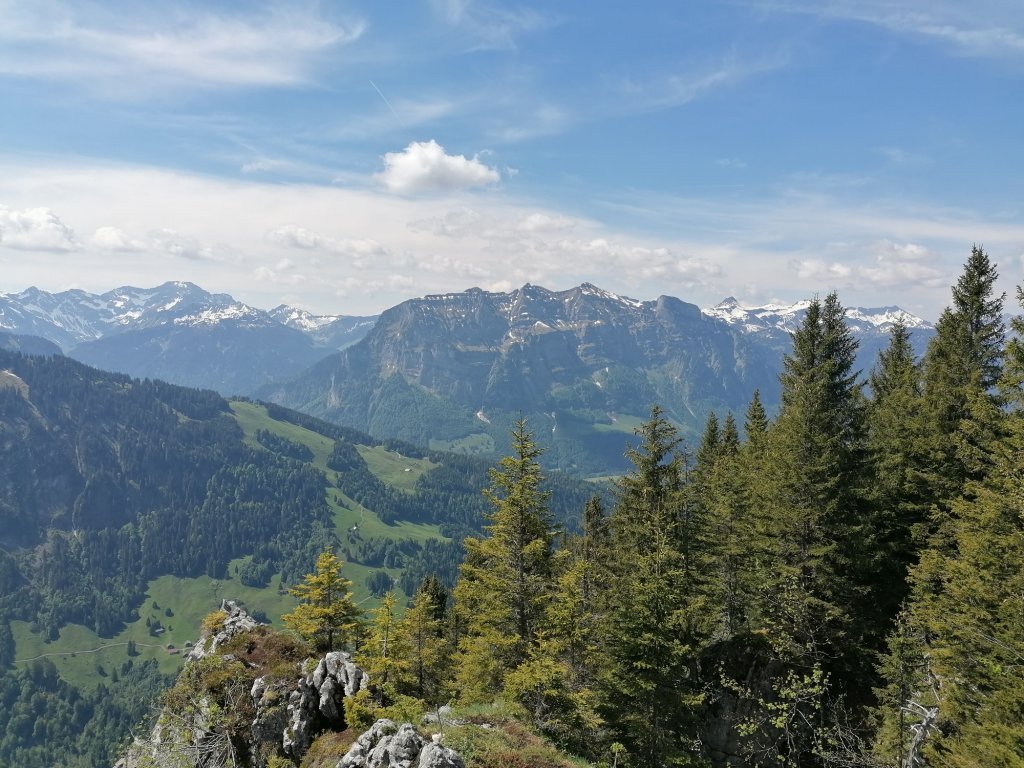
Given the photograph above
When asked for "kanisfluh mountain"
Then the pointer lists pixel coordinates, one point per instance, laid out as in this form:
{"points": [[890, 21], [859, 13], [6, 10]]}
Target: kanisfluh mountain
{"points": [[583, 365]]}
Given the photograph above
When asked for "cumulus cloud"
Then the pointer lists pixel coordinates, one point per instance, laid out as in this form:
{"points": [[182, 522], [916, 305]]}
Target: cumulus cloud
{"points": [[424, 166], [114, 239], [184, 246], [894, 265], [642, 261], [35, 229]]}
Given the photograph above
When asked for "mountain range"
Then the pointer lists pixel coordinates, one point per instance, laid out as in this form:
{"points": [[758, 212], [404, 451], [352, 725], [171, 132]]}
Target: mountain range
{"points": [[584, 366], [453, 370], [180, 333]]}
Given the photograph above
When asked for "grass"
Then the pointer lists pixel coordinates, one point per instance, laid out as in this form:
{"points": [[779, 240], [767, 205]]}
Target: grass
{"points": [[479, 444], [251, 417], [189, 601], [348, 514], [622, 423], [394, 469], [78, 651]]}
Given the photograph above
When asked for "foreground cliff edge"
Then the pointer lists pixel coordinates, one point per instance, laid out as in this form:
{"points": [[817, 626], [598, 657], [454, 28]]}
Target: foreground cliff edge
{"points": [[251, 696]]}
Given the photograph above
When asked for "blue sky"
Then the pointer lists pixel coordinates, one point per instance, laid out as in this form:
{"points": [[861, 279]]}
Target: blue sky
{"points": [[343, 156]]}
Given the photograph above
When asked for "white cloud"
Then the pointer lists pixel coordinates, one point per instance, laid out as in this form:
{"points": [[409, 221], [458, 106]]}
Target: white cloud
{"points": [[895, 265], [294, 236], [487, 25], [183, 246], [114, 239], [167, 43], [424, 166], [983, 28], [35, 229]]}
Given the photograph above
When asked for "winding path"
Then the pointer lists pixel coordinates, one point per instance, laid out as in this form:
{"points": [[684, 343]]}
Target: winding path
{"points": [[93, 650]]}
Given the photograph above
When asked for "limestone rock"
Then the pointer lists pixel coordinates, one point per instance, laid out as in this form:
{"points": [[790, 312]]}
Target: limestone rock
{"points": [[238, 621], [386, 745], [317, 702]]}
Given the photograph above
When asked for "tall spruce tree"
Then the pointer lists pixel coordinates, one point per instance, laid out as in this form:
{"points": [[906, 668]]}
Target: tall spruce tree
{"points": [[658, 616], [506, 578], [969, 593], [815, 476], [963, 362], [899, 455]]}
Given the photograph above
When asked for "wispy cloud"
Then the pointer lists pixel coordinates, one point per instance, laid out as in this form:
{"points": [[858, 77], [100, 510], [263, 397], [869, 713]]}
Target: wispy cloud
{"points": [[169, 45], [490, 25], [983, 28]]}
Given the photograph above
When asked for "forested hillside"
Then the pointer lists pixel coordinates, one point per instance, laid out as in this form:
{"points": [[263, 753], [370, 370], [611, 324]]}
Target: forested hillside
{"points": [[128, 506]]}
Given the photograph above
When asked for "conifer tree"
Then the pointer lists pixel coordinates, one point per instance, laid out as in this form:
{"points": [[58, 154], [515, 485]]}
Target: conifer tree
{"points": [[964, 357], [326, 614], [421, 634], [658, 615], [815, 474], [899, 454], [506, 578], [384, 655], [969, 592]]}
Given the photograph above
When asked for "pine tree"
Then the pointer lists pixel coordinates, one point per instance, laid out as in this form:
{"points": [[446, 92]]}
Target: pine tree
{"points": [[326, 614], [506, 578], [964, 357], [969, 588], [899, 454]]}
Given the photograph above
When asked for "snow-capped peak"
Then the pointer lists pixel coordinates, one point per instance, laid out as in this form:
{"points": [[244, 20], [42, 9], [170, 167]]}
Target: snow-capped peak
{"points": [[787, 317]]}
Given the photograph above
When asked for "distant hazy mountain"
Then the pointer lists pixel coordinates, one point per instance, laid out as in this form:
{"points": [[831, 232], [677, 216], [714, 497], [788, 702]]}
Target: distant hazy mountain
{"points": [[180, 333], [29, 345], [584, 365]]}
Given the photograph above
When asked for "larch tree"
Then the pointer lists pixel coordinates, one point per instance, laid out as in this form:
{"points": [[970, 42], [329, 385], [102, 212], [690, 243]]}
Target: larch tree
{"points": [[326, 614]]}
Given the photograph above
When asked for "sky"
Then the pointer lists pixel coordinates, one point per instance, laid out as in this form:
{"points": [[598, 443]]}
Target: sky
{"points": [[344, 156]]}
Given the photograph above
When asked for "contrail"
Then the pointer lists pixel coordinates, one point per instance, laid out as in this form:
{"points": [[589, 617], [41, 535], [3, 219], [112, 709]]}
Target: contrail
{"points": [[381, 94]]}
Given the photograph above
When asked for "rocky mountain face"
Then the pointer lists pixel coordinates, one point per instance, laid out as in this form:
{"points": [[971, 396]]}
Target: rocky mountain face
{"points": [[583, 365], [180, 333]]}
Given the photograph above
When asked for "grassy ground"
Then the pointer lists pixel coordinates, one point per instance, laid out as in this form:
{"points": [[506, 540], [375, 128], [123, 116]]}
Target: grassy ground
{"points": [[189, 600], [622, 423], [394, 469], [251, 417], [480, 444]]}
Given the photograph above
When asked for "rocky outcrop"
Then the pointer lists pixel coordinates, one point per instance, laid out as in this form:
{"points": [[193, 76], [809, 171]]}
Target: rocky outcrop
{"points": [[317, 701], [289, 711], [236, 622], [387, 745]]}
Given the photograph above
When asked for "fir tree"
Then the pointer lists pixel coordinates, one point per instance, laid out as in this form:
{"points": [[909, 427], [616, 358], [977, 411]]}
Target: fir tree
{"points": [[421, 633]]}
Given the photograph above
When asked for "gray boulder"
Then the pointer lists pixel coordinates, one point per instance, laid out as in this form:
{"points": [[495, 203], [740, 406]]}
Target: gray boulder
{"points": [[386, 745], [317, 702]]}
